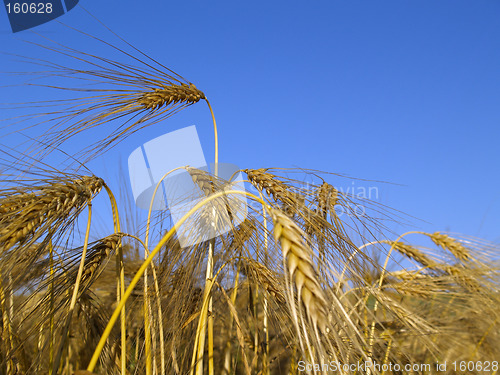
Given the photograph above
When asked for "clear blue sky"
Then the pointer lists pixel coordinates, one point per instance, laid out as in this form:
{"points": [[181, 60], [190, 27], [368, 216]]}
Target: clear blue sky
{"points": [[400, 91]]}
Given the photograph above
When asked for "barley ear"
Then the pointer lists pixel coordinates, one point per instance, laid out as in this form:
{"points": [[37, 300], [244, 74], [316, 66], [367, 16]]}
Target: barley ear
{"points": [[300, 267], [413, 253], [327, 197], [450, 244], [169, 94]]}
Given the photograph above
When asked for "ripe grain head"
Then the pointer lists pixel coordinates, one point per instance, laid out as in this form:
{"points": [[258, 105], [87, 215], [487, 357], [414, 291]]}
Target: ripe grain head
{"points": [[29, 212], [413, 253], [327, 197], [97, 255], [453, 246], [268, 182], [172, 94], [265, 278], [133, 92], [300, 267]]}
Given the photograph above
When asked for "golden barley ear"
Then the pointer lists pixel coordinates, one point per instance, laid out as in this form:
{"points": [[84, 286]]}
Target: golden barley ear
{"points": [[265, 278], [413, 253], [327, 197], [453, 246], [300, 267], [464, 277], [170, 94], [27, 213], [290, 201], [243, 233], [203, 180], [219, 211], [135, 95], [267, 182], [96, 256]]}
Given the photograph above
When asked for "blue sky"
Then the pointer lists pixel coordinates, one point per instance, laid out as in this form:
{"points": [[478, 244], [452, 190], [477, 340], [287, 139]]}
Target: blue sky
{"points": [[400, 91]]}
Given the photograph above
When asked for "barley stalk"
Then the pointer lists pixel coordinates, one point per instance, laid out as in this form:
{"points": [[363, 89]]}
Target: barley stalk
{"points": [[74, 297], [207, 184], [7, 336], [227, 350], [120, 281]]}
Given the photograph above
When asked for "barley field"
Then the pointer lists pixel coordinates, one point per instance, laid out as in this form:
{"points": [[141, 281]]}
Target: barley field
{"points": [[294, 287]]}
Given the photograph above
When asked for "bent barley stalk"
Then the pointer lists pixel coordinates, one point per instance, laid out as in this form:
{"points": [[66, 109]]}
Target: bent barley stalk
{"points": [[207, 184]]}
